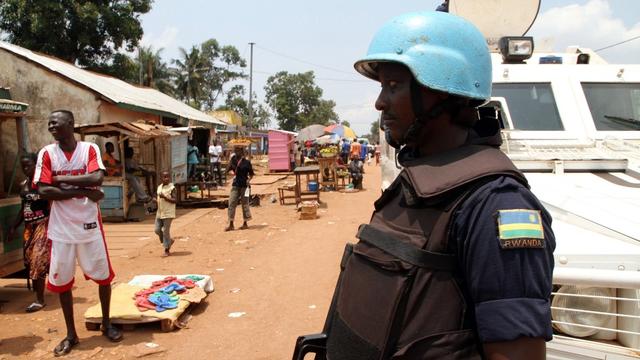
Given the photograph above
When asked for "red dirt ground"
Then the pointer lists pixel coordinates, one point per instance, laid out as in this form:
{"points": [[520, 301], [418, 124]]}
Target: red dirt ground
{"points": [[285, 270]]}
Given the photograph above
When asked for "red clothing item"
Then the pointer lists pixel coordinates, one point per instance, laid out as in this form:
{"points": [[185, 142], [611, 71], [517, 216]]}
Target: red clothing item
{"points": [[46, 175], [356, 147]]}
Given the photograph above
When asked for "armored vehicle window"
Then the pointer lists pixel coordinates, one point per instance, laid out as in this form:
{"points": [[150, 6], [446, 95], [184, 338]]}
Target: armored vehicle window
{"points": [[614, 107], [532, 106]]}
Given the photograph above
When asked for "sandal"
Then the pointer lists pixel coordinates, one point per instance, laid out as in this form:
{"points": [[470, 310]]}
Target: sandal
{"points": [[65, 346], [112, 333], [35, 306], [244, 226]]}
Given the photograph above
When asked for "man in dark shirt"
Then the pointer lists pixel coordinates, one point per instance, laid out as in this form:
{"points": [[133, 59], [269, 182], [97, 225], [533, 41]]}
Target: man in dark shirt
{"points": [[243, 172]]}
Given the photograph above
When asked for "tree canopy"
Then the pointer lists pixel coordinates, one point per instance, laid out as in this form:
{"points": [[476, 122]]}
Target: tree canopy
{"points": [[236, 101], [297, 101], [202, 72], [82, 31], [374, 132]]}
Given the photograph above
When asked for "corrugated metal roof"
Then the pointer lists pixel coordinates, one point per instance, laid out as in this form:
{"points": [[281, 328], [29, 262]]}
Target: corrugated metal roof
{"points": [[134, 129], [117, 91]]}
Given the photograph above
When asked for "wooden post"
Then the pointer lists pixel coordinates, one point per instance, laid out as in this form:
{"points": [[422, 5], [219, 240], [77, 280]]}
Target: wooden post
{"points": [[23, 138], [125, 183]]}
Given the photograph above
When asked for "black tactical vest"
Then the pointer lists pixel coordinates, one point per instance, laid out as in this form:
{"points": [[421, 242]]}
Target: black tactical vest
{"points": [[400, 294]]}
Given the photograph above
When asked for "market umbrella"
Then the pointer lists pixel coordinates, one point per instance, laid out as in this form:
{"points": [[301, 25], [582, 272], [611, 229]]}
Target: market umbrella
{"points": [[341, 130], [310, 132], [328, 139]]}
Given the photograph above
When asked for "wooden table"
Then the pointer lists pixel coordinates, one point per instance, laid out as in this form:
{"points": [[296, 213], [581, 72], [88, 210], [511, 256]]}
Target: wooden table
{"points": [[311, 173], [328, 175]]}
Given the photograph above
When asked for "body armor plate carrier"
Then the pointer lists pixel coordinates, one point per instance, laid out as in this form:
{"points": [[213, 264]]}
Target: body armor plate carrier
{"points": [[400, 294]]}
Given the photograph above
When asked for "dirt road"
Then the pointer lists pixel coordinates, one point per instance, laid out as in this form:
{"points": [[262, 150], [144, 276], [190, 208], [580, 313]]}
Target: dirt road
{"points": [[280, 273]]}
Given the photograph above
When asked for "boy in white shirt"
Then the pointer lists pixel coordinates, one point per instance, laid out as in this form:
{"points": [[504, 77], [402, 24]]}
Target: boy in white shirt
{"points": [[166, 212]]}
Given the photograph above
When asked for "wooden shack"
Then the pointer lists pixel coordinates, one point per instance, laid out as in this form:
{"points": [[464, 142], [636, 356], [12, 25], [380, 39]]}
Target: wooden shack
{"points": [[11, 252], [156, 148], [280, 150]]}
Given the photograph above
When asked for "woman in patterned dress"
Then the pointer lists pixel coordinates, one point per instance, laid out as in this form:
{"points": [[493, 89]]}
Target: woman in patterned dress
{"points": [[37, 248]]}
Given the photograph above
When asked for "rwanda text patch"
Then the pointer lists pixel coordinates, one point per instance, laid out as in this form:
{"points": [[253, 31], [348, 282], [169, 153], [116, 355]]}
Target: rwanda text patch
{"points": [[520, 228]]}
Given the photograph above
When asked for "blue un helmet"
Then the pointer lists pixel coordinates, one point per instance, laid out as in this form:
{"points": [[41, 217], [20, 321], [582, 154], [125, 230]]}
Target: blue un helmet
{"points": [[444, 52]]}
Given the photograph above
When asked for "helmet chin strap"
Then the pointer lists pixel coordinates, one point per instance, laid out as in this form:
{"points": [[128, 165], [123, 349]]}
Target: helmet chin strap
{"points": [[412, 134]]}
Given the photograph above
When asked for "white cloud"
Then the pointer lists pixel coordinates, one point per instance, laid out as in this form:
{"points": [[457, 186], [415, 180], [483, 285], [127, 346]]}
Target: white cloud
{"points": [[166, 40], [361, 115], [591, 25]]}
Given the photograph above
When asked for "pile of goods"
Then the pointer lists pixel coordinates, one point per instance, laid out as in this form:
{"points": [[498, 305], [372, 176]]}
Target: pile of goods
{"points": [[240, 142], [342, 172], [329, 151], [163, 294]]}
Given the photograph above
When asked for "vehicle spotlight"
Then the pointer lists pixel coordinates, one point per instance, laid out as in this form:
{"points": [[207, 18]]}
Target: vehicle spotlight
{"points": [[578, 311], [515, 50], [583, 59]]}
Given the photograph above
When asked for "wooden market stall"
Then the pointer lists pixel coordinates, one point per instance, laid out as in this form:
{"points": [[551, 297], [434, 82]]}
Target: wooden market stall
{"points": [[11, 252], [157, 149]]}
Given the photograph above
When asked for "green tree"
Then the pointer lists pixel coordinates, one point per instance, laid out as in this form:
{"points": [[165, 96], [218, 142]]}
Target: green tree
{"points": [[346, 123], [189, 76], [120, 66], [236, 101], [297, 101], [82, 31], [223, 65], [203, 71], [155, 72], [374, 132]]}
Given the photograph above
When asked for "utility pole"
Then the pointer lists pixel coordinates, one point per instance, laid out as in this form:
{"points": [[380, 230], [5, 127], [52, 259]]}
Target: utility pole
{"points": [[140, 65], [251, 87]]}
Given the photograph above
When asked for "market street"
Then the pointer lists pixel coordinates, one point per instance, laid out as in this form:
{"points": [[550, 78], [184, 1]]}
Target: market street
{"points": [[280, 273]]}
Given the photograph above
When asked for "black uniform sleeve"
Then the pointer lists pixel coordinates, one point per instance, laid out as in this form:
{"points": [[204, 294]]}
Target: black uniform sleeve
{"points": [[510, 288]]}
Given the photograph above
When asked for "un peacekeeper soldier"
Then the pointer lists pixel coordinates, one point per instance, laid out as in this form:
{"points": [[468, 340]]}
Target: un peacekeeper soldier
{"points": [[457, 260]]}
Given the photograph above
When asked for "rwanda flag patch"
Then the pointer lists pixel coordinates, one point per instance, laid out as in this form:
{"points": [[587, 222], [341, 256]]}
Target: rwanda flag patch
{"points": [[520, 229]]}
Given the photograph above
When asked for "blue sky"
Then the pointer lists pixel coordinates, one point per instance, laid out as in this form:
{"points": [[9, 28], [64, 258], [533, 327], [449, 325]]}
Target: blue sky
{"points": [[328, 36]]}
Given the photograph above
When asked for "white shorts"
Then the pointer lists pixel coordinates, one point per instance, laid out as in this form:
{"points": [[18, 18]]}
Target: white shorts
{"points": [[92, 257]]}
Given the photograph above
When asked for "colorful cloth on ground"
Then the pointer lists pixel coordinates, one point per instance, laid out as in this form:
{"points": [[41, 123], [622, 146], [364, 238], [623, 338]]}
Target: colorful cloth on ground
{"points": [[37, 249], [162, 294]]}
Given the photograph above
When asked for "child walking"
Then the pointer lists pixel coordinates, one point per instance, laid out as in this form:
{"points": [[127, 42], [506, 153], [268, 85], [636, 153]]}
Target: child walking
{"points": [[166, 212]]}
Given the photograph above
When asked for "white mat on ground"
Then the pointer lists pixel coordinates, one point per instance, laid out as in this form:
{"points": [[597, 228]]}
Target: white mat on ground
{"points": [[145, 281]]}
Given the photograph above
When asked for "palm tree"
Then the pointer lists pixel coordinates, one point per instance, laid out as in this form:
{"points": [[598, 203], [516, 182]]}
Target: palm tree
{"points": [[155, 72], [189, 75]]}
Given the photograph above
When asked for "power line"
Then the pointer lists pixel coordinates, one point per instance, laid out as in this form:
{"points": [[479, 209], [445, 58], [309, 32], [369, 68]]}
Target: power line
{"points": [[619, 43], [316, 78], [304, 61]]}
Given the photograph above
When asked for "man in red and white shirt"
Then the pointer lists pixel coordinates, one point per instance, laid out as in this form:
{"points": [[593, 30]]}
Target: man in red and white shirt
{"points": [[69, 173]]}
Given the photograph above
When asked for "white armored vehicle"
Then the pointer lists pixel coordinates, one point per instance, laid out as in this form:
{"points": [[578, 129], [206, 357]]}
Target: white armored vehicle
{"points": [[571, 123]]}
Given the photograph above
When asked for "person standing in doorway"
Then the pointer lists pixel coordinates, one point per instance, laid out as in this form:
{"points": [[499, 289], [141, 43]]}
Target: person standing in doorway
{"points": [[193, 155], [37, 247], [243, 172], [215, 151], [68, 174], [166, 212]]}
